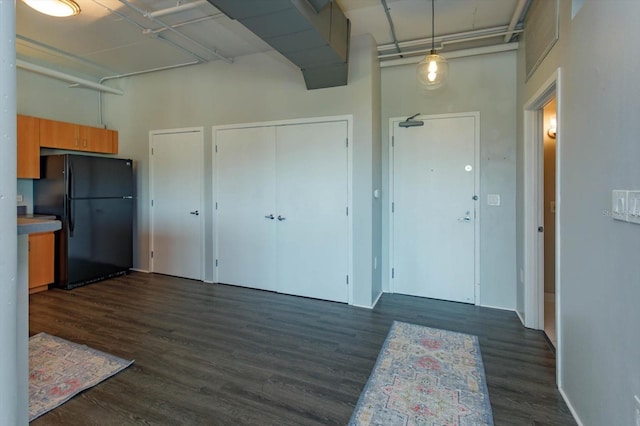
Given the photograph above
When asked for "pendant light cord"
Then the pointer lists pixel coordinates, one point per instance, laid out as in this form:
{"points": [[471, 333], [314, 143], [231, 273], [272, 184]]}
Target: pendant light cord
{"points": [[433, 25]]}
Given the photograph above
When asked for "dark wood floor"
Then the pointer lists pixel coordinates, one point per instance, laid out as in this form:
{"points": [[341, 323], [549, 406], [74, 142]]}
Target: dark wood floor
{"points": [[215, 354]]}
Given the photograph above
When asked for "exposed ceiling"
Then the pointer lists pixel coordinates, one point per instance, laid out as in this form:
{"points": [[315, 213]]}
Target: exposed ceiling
{"points": [[117, 37]]}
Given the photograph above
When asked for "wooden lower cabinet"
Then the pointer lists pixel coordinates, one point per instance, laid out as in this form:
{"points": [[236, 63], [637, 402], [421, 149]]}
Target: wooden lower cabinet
{"points": [[41, 261]]}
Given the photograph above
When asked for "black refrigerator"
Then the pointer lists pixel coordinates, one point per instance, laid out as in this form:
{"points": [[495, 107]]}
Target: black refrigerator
{"points": [[93, 198]]}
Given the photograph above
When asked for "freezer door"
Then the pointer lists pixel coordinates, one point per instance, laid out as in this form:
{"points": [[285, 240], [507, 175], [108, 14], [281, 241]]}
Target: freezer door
{"points": [[99, 239], [99, 177]]}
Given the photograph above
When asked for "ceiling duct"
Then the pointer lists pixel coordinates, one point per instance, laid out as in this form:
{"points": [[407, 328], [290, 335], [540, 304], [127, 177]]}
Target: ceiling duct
{"points": [[313, 34]]}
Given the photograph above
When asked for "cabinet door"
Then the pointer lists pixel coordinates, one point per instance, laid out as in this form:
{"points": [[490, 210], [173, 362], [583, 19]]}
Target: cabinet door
{"points": [[95, 139], [312, 198], [41, 261], [245, 219], [58, 134], [28, 147]]}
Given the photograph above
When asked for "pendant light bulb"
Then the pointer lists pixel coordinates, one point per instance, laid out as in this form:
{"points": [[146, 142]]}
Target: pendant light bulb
{"points": [[432, 71]]}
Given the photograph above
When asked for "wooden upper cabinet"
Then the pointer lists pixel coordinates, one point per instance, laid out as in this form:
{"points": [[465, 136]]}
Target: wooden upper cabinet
{"points": [[95, 139], [28, 129], [58, 134], [76, 137]]}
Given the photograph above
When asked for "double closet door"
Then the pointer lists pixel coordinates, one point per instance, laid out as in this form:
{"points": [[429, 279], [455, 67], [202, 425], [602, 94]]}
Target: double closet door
{"points": [[281, 209]]}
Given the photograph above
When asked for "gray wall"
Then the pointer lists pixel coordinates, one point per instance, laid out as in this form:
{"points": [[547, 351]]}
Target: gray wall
{"points": [[482, 83], [260, 87], [599, 283]]}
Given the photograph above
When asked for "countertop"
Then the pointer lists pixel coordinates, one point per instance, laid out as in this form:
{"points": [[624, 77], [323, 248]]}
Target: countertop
{"points": [[32, 224]]}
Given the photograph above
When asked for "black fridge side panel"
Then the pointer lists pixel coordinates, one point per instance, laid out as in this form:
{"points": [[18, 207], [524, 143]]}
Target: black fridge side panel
{"points": [[49, 192]]}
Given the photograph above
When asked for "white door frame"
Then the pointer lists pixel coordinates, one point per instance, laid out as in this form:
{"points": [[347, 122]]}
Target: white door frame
{"points": [[153, 133], [533, 262], [349, 120], [476, 260]]}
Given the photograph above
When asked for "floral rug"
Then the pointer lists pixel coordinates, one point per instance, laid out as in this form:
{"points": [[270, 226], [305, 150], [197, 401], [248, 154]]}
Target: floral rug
{"points": [[425, 376], [59, 370]]}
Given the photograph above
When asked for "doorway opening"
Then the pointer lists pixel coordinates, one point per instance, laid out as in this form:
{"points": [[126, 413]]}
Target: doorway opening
{"points": [[542, 268]]}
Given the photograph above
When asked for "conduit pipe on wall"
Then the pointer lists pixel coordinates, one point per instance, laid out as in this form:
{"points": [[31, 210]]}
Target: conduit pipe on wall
{"points": [[452, 55], [131, 74], [514, 20], [66, 77], [456, 36], [445, 42], [391, 26]]}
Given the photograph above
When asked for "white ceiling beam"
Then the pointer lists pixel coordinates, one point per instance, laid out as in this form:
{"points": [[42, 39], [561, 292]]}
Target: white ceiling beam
{"points": [[177, 9]]}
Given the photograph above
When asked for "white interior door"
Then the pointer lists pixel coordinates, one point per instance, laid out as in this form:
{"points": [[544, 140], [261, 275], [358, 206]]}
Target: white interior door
{"points": [[246, 208], [434, 209], [176, 212], [312, 183]]}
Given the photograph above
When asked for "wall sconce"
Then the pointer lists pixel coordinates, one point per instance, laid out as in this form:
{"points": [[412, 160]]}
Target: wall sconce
{"points": [[553, 128]]}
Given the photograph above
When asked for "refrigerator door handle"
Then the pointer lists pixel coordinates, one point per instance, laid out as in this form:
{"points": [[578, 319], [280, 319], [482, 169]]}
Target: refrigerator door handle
{"points": [[69, 200]]}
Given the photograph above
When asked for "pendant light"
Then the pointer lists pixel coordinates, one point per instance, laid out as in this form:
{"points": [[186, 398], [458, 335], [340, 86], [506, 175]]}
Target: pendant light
{"points": [[57, 8], [433, 70]]}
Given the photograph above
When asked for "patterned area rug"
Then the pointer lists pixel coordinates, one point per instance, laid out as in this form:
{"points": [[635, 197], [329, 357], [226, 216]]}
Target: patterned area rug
{"points": [[59, 370], [425, 376]]}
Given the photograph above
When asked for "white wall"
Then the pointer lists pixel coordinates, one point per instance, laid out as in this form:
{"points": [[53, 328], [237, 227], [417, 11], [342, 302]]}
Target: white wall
{"points": [[260, 87], [599, 271], [486, 84]]}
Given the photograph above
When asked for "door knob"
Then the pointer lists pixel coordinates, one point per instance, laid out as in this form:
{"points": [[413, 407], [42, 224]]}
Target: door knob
{"points": [[281, 218], [195, 212], [269, 216]]}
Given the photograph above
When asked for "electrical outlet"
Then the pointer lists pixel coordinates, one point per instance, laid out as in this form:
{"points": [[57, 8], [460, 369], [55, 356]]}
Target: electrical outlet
{"points": [[637, 410], [19, 198]]}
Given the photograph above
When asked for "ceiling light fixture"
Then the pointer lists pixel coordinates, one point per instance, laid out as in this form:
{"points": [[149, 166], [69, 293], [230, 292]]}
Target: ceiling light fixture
{"points": [[553, 128], [433, 70], [57, 8]]}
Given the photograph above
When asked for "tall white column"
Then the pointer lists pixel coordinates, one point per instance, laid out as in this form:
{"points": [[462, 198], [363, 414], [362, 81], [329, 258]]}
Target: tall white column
{"points": [[9, 375]]}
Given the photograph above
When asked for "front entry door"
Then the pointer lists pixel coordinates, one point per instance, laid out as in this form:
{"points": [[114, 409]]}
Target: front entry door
{"points": [[433, 210], [176, 210]]}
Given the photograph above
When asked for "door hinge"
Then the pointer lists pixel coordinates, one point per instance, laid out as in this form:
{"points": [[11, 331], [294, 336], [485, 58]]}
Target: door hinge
{"points": [[393, 207], [151, 151], [216, 205], [393, 141], [347, 279], [151, 203], [393, 272], [347, 211], [347, 142], [152, 254], [216, 148], [216, 263]]}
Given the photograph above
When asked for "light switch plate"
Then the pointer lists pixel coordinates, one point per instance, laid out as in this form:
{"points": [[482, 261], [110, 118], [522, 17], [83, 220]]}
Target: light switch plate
{"points": [[633, 206], [19, 198], [619, 204], [493, 199]]}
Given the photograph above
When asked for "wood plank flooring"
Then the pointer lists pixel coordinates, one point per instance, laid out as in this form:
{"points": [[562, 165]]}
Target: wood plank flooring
{"points": [[208, 354]]}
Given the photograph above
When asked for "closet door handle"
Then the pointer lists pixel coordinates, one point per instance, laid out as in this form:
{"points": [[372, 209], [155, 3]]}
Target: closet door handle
{"points": [[281, 218], [269, 216]]}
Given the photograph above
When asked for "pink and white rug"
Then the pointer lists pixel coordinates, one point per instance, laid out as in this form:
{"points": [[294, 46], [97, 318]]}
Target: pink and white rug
{"points": [[425, 376], [59, 370]]}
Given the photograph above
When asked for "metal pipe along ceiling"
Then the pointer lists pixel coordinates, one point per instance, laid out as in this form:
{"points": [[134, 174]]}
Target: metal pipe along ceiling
{"points": [[391, 26]]}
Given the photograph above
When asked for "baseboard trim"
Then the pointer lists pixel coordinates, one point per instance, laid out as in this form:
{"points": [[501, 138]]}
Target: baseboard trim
{"points": [[573, 411], [144, 271], [208, 281], [375, 302], [521, 319], [498, 307]]}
